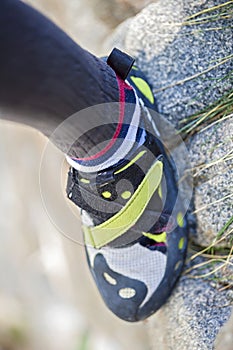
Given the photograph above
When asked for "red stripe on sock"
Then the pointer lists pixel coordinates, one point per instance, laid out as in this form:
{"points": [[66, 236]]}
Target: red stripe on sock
{"points": [[122, 86]]}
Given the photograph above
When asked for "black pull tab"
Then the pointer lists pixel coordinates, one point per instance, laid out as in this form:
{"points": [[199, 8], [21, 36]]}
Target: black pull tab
{"points": [[120, 62]]}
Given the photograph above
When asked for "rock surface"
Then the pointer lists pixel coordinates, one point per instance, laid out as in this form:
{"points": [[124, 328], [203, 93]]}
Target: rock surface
{"points": [[191, 318], [211, 158], [169, 52]]}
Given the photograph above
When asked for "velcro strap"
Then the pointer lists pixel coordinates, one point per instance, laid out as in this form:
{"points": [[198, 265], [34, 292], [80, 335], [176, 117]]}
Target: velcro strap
{"points": [[120, 223]]}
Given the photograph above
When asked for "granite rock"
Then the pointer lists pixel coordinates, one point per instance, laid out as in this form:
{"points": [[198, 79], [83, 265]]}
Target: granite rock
{"points": [[211, 159]]}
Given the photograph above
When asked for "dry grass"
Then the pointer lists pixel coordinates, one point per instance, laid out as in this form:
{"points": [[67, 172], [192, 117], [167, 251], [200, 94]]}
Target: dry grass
{"points": [[217, 262], [211, 115]]}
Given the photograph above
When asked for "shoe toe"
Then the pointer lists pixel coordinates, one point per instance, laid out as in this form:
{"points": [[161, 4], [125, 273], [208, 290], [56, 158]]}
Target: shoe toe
{"points": [[127, 278], [123, 295]]}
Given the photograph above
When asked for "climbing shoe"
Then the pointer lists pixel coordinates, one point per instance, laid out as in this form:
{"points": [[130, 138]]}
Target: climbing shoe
{"points": [[134, 225]]}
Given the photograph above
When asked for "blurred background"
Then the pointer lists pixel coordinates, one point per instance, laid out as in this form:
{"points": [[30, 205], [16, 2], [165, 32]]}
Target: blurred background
{"points": [[47, 297]]}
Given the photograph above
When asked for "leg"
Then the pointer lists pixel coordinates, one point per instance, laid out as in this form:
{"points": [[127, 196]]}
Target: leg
{"points": [[44, 75]]}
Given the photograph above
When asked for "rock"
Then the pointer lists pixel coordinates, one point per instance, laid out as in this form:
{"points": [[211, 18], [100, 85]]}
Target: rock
{"points": [[115, 11], [224, 339], [191, 318], [211, 156], [169, 52]]}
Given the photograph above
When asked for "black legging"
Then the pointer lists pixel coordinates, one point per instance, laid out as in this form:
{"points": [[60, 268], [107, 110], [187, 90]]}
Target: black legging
{"points": [[44, 75]]}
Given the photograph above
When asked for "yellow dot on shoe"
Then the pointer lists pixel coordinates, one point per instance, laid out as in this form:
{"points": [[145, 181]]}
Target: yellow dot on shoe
{"points": [[181, 243], [106, 194], [85, 181], [180, 219], [144, 88], [126, 195]]}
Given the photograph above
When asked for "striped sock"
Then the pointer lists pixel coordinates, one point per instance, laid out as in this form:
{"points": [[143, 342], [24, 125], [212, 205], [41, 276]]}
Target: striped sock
{"points": [[126, 134]]}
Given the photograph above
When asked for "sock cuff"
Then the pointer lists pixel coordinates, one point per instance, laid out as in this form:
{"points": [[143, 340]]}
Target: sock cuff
{"points": [[124, 137]]}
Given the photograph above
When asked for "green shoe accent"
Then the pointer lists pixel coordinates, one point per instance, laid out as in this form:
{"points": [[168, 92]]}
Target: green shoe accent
{"points": [[126, 195], [144, 88], [138, 156], [160, 191], [160, 238], [106, 194], [117, 225], [180, 220], [85, 181], [181, 243]]}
